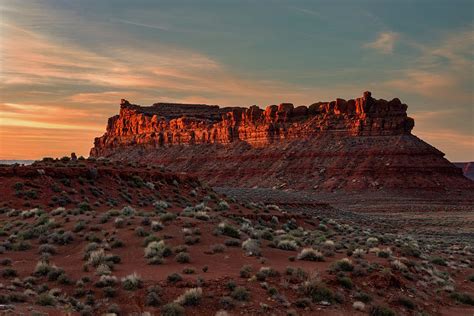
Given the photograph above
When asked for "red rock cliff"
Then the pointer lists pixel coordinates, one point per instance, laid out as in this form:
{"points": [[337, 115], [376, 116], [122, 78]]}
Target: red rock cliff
{"points": [[355, 144]]}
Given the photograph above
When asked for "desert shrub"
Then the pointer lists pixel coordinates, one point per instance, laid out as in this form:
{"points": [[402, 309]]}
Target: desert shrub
{"points": [[191, 240], [398, 265], [172, 309], [228, 230], [113, 309], [240, 293], [128, 211], [8, 262], [379, 310], [161, 205], [84, 206], [317, 291], [46, 299], [265, 272], [358, 253], [287, 244], [364, 297], [226, 302], [343, 265], [156, 226], [42, 268], [46, 248], [410, 250], [251, 247], [345, 282], [358, 305], [439, 261], [310, 254], [372, 242], [106, 280], [174, 277], [232, 243], [167, 217], [222, 206], [97, 257], [9, 273], [152, 299], [201, 215], [157, 249], [218, 248], [190, 297], [117, 243], [463, 298], [103, 269], [245, 271], [183, 257], [406, 302], [140, 232], [132, 282], [119, 222]]}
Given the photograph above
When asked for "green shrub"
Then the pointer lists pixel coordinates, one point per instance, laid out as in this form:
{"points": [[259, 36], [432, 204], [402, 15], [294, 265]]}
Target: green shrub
{"points": [[174, 277], [190, 297], [240, 293], [183, 257], [172, 309], [406, 302], [132, 282], [46, 299], [378, 310], [463, 298], [317, 291]]}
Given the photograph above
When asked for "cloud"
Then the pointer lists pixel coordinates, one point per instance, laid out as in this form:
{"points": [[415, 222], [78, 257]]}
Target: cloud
{"points": [[442, 70], [384, 43]]}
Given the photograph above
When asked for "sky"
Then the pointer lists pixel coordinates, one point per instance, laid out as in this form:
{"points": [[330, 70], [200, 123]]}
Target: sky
{"points": [[65, 65]]}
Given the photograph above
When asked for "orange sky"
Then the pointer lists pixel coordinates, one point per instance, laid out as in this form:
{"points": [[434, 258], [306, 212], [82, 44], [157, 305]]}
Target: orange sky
{"points": [[63, 71]]}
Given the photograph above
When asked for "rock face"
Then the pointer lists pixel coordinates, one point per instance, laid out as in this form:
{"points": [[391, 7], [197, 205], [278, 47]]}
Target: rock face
{"points": [[362, 143]]}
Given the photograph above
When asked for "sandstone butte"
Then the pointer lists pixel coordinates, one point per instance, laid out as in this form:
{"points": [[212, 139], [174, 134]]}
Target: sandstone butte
{"points": [[359, 144]]}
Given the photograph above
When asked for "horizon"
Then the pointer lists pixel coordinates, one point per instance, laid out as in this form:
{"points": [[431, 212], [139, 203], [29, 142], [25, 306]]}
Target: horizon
{"points": [[65, 66]]}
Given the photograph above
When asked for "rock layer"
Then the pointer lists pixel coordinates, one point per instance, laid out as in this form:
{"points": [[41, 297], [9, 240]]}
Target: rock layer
{"points": [[356, 144]]}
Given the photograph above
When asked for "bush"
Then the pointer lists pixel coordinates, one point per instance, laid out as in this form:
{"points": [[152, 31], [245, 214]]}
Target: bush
{"points": [[378, 310], [183, 257], [345, 282], [226, 302], [287, 245], [174, 277], [343, 265], [310, 254], [240, 293], [463, 298], [317, 291], [245, 271], [132, 282], [190, 297], [157, 249], [46, 299], [172, 309], [406, 302], [46, 248], [251, 247], [228, 230], [218, 248], [439, 261], [9, 273], [152, 299]]}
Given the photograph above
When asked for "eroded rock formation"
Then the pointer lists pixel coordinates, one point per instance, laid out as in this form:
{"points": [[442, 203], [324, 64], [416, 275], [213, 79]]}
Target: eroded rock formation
{"points": [[355, 144]]}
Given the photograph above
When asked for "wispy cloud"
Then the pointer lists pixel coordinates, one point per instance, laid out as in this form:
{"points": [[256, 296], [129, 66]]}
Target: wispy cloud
{"points": [[306, 11], [384, 43], [442, 70]]}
